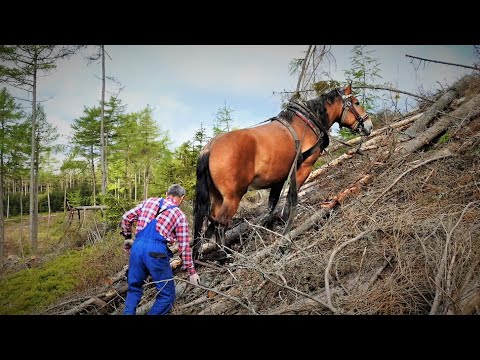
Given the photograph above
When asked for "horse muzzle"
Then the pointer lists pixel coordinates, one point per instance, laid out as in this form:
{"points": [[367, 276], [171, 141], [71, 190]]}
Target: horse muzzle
{"points": [[366, 128]]}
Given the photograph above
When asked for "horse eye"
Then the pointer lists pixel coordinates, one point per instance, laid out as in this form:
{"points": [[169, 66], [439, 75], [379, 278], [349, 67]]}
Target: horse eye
{"points": [[357, 102]]}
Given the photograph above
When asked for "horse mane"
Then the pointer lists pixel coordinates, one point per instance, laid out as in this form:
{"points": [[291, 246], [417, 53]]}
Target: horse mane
{"points": [[316, 106]]}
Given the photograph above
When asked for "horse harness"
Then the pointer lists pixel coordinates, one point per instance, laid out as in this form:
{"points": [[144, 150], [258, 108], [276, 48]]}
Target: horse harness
{"points": [[312, 120], [347, 104]]}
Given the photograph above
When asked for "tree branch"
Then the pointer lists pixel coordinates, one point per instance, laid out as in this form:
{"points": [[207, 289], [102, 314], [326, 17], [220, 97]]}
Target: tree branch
{"points": [[373, 87], [443, 62], [445, 154], [441, 270], [330, 261], [387, 88]]}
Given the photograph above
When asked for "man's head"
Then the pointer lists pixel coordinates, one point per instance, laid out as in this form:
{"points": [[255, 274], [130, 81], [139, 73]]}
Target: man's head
{"points": [[176, 191]]}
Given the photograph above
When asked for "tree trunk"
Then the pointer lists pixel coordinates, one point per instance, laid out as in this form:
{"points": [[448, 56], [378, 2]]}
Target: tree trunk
{"points": [[467, 111], [421, 124], [302, 72], [2, 220], [65, 197], [144, 184], [33, 184], [102, 136], [94, 188], [49, 209], [135, 187], [21, 222]]}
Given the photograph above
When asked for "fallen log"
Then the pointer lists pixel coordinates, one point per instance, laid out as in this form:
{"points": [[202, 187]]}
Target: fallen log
{"points": [[396, 125], [467, 111], [454, 91], [440, 155], [100, 304], [307, 304]]}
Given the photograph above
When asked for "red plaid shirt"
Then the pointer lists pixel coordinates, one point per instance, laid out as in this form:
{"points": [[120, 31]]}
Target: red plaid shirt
{"points": [[172, 225]]}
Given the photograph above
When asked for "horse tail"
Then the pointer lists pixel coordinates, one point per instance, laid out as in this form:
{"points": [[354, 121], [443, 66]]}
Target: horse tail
{"points": [[202, 206]]}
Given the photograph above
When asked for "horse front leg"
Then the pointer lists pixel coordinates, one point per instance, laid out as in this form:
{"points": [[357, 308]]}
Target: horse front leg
{"points": [[290, 209], [273, 198]]}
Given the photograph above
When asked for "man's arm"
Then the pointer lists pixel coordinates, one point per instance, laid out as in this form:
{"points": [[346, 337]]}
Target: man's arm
{"points": [[183, 239], [127, 220]]}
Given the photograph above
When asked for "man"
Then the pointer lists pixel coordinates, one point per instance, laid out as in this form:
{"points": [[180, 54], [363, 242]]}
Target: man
{"points": [[158, 220]]}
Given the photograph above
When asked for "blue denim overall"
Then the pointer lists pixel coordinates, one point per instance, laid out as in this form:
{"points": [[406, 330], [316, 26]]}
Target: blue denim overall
{"points": [[150, 255]]}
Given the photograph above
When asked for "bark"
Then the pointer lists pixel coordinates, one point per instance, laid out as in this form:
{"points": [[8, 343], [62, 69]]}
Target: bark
{"points": [[102, 132], [421, 124], [100, 304], [33, 167], [396, 125], [467, 111]]}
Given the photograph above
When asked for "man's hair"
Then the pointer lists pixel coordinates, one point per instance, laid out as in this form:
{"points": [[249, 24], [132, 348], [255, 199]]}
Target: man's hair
{"points": [[176, 190]]}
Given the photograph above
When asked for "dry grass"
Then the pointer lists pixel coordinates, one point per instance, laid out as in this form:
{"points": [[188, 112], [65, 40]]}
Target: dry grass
{"points": [[392, 270], [419, 252]]}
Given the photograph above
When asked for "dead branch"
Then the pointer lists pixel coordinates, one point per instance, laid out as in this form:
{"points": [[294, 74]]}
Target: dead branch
{"points": [[443, 62], [395, 125], [304, 66], [145, 308], [83, 298], [441, 269], [355, 188], [118, 276], [328, 306], [443, 154], [468, 302], [232, 298], [330, 261], [378, 272], [375, 87], [92, 301]]}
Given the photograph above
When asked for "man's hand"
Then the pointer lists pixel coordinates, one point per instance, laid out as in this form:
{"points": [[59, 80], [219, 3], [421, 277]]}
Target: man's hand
{"points": [[129, 236], [194, 279], [127, 245]]}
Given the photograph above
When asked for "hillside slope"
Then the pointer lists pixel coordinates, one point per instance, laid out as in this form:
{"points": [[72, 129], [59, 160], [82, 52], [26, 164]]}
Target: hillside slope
{"points": [[388, 228]]}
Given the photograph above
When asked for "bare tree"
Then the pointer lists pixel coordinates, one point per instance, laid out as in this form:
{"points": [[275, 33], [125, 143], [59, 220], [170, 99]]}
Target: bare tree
{"points": [[314, 67]]}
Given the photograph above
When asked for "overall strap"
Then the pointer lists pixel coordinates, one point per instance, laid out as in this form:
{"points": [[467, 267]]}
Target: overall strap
{"points": [[162, 210]]}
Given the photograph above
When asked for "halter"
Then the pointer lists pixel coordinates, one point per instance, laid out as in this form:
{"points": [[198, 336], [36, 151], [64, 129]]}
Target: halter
{"points": [[348, 105]]}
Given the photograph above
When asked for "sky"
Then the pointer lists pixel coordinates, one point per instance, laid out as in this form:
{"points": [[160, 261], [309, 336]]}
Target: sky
{"points": [[186, 85]]}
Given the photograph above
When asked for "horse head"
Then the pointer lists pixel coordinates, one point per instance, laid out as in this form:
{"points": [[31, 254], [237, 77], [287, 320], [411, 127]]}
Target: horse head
{"points": [[352, 115]]}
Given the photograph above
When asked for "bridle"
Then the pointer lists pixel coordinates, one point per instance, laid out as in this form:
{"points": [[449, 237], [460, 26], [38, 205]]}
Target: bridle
{"points": [[348, 105]]}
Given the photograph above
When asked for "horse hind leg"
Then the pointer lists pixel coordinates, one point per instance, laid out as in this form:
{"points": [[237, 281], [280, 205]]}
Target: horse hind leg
{"points": [[225, 213]]}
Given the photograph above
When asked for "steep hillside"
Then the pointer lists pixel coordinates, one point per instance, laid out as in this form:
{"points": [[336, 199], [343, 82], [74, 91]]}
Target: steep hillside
{"points": [[389, 227]]}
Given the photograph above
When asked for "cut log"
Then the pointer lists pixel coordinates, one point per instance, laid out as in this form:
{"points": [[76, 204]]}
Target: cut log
{"points": [[467, 111], [396, 125], [421, 124], [100, 304]]}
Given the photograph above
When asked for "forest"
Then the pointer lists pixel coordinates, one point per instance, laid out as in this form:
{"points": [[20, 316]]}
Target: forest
{"points": [[57, 259]]}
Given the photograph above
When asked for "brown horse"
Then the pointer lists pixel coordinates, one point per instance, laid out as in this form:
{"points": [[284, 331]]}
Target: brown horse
{"points": [[262, 157]]}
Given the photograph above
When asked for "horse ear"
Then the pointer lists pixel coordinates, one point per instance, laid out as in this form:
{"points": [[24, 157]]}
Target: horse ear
{"points": [[348, 89]]}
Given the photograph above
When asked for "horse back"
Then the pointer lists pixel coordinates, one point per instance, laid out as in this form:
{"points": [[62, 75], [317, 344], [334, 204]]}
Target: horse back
{"points": [[254, 157]]}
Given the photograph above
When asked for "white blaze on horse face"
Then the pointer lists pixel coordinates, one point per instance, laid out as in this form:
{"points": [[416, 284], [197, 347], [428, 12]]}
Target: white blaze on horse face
{"points": [[367, 127]]}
